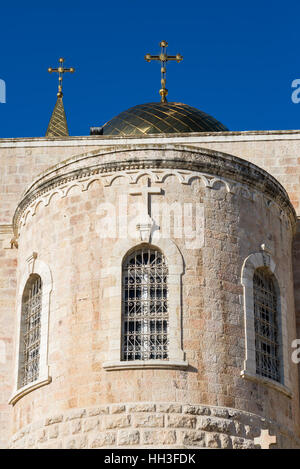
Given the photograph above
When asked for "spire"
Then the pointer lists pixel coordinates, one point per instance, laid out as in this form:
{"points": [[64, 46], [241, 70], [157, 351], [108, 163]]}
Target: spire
{"points": [[58, 123]]}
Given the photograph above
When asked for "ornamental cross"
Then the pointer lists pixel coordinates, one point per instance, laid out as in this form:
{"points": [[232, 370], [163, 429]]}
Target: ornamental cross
{"points": [[265, 440], [146, 193], [163, 58], [60, 70]]}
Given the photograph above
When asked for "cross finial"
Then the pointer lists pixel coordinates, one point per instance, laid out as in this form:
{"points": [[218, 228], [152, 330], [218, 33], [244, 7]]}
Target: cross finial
{"points": [[265, 440], [163, 58], [60, 70]]}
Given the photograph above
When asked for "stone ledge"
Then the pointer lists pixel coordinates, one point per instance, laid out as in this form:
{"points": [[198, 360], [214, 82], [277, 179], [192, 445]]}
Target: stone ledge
{"points": [[142, 365], [268, 382], [19, 393], [194, 137]]}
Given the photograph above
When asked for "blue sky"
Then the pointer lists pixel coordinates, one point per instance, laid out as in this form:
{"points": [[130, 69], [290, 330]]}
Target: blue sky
{"points": [[239, 60]]}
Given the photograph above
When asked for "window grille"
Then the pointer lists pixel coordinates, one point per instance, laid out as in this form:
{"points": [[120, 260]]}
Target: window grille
{"points": [[266, 325], [145, 318], [31, 311]]}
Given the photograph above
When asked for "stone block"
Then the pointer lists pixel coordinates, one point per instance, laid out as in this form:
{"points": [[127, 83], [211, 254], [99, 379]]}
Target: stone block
{"points": [[115, 421], [53, 420], [128, 437], [161, 437], [181, 421], [148, 420], [193, 438], [141, 407], [103, 439]]}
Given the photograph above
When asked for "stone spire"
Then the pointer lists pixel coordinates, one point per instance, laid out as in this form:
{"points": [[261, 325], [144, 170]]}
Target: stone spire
{"points": [[58, 123]]}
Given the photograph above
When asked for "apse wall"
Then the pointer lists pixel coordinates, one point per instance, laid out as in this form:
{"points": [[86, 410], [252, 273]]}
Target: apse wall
{"points": [[73, 233]]}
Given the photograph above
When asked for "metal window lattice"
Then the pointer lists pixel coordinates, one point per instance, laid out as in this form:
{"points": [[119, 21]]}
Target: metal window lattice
{"points": [[145, 306], [32, 328], [266, 326]]}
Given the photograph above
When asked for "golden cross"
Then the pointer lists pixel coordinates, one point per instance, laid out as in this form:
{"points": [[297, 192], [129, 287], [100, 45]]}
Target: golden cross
{"points": [[60, 70], [163, 58]]}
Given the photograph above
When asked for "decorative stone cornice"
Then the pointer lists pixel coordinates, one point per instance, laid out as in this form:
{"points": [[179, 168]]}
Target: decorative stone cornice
{"points": [[178, 138], [157, 161]]}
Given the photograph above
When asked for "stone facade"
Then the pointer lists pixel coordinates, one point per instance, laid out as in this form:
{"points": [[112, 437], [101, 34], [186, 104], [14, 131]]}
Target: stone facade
{"points": [[200, 398]]}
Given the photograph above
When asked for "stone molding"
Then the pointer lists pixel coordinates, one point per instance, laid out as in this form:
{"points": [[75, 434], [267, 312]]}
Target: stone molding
{"points": [[151, 425], [28, 388], [32, 265], [214, 169], [268, 382], [145, 365], [180, 138], [251, 263]]}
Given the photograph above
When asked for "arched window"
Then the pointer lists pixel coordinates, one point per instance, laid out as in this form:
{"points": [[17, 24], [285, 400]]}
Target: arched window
{"points": [[30, 331], [266, 325], [145, 319]]}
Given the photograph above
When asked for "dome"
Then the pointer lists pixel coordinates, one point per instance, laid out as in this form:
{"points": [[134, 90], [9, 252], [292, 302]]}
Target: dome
{"points": [[159, 118]]}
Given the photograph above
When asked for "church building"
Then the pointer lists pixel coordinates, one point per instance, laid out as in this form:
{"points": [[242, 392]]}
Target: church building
{"points": [[150, 282]]}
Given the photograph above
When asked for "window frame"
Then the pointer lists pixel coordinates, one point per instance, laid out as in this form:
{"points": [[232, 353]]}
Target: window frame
{"points": [[264, 275], [251, 264], [146, 318], [113, 295], [40, 268], [32, 279]]}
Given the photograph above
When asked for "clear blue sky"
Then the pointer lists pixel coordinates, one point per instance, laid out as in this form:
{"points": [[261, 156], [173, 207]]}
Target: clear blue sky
{"points": [[239, 60]]}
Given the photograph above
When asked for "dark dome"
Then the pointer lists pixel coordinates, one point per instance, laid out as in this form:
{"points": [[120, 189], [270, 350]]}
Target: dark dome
{"points": [[159, 118]]}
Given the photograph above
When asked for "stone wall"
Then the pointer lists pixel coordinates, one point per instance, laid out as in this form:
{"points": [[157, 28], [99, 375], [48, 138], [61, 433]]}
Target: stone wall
{"points": [[22, 159], [8, 264], [19, 164], [58, 220], [149, 425]]}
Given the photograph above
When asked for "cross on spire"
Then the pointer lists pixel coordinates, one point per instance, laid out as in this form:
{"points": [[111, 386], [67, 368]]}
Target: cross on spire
{"points": [[163, 58], [58, 123], [265, 440], [60, 70]]}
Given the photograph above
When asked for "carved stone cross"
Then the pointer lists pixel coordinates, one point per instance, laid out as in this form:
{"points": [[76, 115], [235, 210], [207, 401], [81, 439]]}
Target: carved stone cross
{"points": [[265, 440], [146, 193], [146, 225]]}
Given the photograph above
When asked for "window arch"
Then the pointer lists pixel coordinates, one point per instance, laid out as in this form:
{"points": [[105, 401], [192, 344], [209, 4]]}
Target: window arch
{"points": [[30, 331], [33, 311], [265, 319], [145, 317], [266, 325]]}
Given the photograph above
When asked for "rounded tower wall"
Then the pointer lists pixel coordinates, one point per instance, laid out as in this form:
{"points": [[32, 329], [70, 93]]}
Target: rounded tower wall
{"points": [[210, 212]]}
